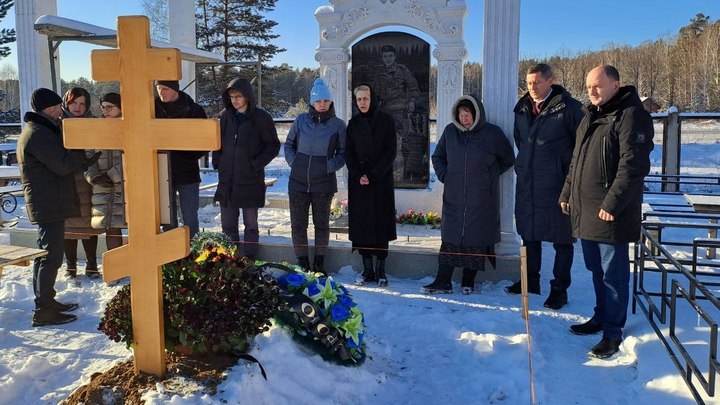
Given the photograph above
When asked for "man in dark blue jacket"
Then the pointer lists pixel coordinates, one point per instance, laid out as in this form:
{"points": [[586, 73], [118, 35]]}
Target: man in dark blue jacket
{"points": [[546, 119], [603, 195], [47, 175]]}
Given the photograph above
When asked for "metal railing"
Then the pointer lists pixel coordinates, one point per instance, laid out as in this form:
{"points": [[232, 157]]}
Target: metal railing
{"points": [[664, 288], [682, 184], [672, 140]]}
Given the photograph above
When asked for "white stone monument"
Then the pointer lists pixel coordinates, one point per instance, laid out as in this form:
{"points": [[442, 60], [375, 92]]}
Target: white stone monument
{"points": [[32, 49], [345, 21]]}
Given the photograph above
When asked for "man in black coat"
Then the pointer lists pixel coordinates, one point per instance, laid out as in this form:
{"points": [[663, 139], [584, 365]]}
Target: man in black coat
{"points": [[171, 102], [248, 143], [47, 175], [546, 119], [603, 195]]}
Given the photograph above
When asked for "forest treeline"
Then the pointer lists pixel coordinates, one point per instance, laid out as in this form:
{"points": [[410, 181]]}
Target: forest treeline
{"points": [[681, 70]]}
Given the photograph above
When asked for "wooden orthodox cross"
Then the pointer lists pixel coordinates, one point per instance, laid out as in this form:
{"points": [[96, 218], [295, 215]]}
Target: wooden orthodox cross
{"points": [[135, 64]]}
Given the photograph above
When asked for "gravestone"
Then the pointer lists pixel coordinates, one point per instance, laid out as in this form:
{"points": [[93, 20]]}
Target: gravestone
{"points": [[136, 65], [396, 65]]}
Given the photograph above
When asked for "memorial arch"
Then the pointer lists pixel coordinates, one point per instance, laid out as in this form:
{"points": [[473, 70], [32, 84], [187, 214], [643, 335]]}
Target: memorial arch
{"points": [[345, 21]]}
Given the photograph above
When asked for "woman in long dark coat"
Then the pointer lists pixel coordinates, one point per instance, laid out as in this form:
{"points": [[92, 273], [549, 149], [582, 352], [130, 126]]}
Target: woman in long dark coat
{"points": [[469, 159], [370, 153]]}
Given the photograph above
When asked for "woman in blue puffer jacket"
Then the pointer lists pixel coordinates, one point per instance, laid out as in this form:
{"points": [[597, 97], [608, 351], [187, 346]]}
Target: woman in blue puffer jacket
{"points": [[314, 149]]}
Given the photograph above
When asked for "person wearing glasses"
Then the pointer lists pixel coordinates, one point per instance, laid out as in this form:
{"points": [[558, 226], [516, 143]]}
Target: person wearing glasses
{"points": [[76, 104], [248, 143], [106, 177]]}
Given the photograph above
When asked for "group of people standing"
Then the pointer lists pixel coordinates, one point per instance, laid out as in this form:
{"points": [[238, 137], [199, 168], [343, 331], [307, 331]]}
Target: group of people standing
{"points": [[77, 194], [580, 172], [99, 189], [579, 169]]}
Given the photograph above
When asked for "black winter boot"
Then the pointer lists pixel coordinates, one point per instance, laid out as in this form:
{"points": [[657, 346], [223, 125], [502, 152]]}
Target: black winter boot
{"points": [[90, 247], [443, 281], [557, 299], [91, 264], [71, 268], [533, 288], [380, 273], [319, 265], [91, 269], [304, 262], [50, 316], [71, 257], [468, 281], [368, 273]]}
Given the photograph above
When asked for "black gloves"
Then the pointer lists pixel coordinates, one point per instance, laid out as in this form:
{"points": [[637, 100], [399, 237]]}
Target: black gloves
{"points": [[102, 180], [91, 161]]}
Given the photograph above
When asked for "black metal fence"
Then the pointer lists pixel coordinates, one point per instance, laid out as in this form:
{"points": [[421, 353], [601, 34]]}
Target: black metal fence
{"points": [[678, 294]]}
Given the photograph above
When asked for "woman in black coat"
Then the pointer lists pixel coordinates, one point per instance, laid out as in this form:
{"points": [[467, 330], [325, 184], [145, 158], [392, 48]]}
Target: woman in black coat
{"points": [[370, 153], [469, 159]]}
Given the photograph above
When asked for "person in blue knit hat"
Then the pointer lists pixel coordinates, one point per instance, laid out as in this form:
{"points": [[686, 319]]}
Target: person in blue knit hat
{"points": [[319, 91], [314, 150]]}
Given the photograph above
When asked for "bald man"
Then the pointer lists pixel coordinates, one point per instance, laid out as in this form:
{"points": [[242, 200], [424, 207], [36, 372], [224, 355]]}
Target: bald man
{"points": [[603, 195]]}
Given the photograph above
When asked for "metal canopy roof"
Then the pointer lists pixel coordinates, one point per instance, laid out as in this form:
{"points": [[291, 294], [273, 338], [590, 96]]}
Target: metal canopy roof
{"points": [[64, 29]]}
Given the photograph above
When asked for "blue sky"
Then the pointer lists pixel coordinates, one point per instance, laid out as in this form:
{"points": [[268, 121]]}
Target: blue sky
{"points": [[546, 26]]}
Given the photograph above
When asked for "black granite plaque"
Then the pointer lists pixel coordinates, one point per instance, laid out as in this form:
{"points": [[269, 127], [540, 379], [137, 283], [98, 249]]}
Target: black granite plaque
{"points": [[397, 67]]}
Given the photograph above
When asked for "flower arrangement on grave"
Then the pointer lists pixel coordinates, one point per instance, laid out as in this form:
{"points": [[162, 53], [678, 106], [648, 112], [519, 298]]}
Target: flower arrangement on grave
{"points": [[212, 301], [418, 218], [338, 208], [321, 315]]}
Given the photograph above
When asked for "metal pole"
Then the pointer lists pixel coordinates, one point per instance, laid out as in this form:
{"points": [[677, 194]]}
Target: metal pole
{"points": [[51, 50], [523, 282], [671, 150], [259, 73]]}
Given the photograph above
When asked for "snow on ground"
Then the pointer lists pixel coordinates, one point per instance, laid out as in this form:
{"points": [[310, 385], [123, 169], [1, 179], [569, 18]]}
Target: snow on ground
{"points": [[450, 349], [421, 349]]}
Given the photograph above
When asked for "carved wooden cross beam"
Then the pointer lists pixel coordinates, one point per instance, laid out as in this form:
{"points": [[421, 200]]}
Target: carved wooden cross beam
{"points": [[136, 65]]}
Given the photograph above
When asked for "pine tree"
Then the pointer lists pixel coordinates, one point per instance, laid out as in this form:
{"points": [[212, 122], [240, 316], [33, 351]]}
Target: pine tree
{"points": [[237, 29], [7, 36]]}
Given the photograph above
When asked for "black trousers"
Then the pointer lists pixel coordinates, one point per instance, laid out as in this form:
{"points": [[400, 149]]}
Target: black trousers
{"points": [[300, 204], [50, 237], [561, 267], [89, 245]]}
